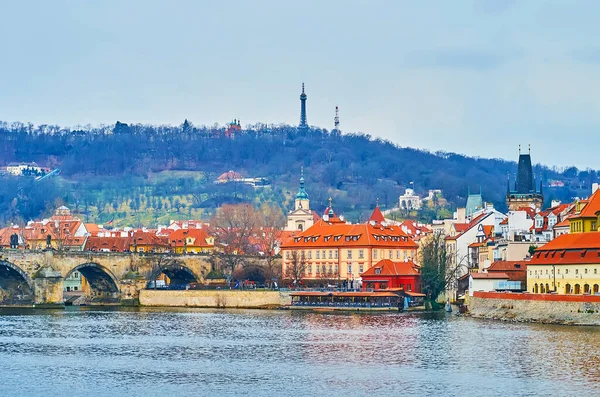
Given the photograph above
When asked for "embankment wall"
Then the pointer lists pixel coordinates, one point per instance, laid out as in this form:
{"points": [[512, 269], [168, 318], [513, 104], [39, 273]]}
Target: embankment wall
{"points": [[218, 298], [543, 308]]}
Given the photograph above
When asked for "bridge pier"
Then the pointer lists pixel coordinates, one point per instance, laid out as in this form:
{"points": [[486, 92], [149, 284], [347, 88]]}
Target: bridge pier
{"points": [[48, 288]]}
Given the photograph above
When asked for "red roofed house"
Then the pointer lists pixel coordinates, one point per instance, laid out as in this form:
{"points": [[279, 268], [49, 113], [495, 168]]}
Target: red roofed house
{"points": [[195, 241], [387, 274], [569, 264], [333, 249]]}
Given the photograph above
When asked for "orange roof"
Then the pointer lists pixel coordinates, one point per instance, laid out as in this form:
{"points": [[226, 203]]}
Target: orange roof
{"points": [[113, 244], [493, 276], [386, 267], [461, 227], [230, 176], [565, 223], [377, 216], [92, 228], [592, 207], [530, 211], [149, 238], [589, 240], [178, 237], [337, 233], [504, 266]]}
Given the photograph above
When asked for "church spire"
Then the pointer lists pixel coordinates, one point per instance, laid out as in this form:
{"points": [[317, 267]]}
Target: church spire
{"points": [[302, 195]]}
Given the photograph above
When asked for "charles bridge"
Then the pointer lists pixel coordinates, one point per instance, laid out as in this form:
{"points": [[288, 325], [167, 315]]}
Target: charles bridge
{"points": [[36, 277]]}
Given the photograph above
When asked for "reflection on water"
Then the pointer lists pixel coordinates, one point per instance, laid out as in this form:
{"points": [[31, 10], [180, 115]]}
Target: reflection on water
{"points": [[152, 352]]}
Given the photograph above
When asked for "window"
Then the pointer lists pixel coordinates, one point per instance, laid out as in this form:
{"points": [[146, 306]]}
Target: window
{"points": [[317, 256], [310, 254], [397, 254], [323, 269], [335, 254], [336, 269], [349, 269], [323, 254], [330, 254], [409, 287], [585, 271], [595, 271], [391, 255], [361, 254], [378, 270], [374, 254], [360, 268], [566, 271], [349, 254], [576, 271]]}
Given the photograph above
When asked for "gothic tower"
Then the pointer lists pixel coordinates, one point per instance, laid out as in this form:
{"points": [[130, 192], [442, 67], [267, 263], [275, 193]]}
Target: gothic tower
{"points": [[525, 191], [303, 125]]}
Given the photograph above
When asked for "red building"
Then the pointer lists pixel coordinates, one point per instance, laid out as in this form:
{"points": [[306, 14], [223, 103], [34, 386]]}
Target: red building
{"points": [[387, 274]]}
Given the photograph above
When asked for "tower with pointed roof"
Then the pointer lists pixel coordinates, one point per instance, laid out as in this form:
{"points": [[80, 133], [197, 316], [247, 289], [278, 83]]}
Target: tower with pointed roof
{"points": [[301, 217], [525, 192], [303, 124]]}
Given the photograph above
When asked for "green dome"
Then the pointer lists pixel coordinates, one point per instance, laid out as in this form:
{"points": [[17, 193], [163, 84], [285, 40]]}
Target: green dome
{"points": [[302, 195]]}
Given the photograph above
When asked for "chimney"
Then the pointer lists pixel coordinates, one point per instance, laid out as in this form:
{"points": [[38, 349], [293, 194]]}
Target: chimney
{"points": [[556, 203]]}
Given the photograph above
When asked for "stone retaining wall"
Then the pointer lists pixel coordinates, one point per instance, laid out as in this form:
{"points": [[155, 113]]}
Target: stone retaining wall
{"points": [[217, 298], [544, 308]]}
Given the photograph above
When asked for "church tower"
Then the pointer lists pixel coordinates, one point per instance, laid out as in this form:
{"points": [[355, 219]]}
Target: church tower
{"points": [[525, 191], [303, 125], [301, 218]]}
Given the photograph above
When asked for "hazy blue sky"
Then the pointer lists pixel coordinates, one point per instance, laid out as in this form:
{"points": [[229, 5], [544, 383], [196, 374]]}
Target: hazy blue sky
{"points": [[475, 77]]}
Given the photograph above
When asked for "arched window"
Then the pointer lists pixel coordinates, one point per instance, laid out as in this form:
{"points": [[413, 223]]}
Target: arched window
{"points": [[577, 289], [595, 291], [568, 289], [586, 289]]}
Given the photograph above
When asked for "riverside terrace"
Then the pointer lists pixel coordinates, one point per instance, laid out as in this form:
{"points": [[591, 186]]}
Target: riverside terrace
{"points": [[37, 277], [356, 300]]}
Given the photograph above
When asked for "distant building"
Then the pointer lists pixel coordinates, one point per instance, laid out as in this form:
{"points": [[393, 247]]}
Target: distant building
{"points": [[233, 128], [409, 200], [19, 169], [236, 177], [525, 191]]}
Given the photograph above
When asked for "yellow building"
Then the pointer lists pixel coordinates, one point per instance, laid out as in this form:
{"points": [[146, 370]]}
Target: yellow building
{"points": [[569, 264], [586, 214]]}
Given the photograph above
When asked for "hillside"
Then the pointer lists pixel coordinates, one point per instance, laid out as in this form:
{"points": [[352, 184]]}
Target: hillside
{"points": [[141, 174]]}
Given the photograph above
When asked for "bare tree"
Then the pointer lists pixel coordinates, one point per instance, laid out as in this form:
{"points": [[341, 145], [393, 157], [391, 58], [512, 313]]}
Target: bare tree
{"points": [[269, 236], [296, 266], [232, 226], [439, 269]]}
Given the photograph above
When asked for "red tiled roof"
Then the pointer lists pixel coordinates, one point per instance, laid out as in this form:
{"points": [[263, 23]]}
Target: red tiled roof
{"points": [[493, 276], [335, 234], [387, 267], [114, 244], [377, 216], [569, 249], [503, 266], [592, 207], [177, 238]]}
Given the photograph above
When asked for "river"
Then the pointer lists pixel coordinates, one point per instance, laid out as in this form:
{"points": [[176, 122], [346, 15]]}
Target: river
{"points": [[170, 352]]}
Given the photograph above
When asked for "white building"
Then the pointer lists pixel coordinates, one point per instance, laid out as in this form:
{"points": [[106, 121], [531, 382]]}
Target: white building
{"points": [[486, 282], [409, 200]]}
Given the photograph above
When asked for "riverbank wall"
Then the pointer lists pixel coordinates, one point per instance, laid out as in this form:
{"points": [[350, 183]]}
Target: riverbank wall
{"points": [[542, 308], [215, 298]]}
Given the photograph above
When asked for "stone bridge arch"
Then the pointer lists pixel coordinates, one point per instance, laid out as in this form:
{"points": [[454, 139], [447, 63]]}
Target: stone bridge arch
{"points": [[16, 286], [104, 286], [177, 272]]}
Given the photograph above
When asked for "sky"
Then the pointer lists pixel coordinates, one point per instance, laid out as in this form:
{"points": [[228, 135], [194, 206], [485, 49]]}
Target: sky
{"points": [[473, 77]]}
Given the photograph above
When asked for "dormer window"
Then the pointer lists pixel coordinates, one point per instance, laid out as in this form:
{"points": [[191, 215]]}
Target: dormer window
{"points": [[378, 270]]}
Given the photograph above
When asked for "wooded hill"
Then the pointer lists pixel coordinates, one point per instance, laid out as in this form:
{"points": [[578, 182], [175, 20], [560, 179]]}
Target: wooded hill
{"points": [[144, 173]]}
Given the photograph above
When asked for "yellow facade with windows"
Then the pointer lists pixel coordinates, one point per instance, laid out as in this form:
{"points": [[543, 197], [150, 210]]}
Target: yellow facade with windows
{"points": [[564, 279]]}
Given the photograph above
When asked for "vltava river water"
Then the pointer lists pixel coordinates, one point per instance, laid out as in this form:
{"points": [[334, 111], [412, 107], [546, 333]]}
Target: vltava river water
{"points": [[145, 352]]}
